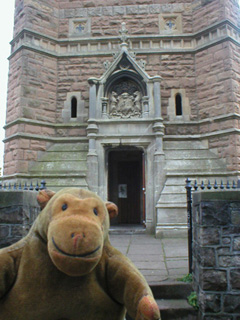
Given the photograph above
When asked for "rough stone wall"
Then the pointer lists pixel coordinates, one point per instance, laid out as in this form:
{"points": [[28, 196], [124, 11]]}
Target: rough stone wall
{"points": [[213, 80], [31, 95], [73, 75], [141, 17], [217, 93], [230, 12], [40, 16], [40, 80], [216, 253], [213, 11], [18, 210], [32, 87]]}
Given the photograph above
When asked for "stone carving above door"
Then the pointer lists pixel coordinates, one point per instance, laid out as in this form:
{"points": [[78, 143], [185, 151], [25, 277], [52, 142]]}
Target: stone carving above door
{"points": [[125, 100]]}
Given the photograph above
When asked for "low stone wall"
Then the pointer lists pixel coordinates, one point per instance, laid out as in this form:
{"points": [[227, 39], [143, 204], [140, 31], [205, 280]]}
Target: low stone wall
{"points": [[216, 253], [18, 210]]}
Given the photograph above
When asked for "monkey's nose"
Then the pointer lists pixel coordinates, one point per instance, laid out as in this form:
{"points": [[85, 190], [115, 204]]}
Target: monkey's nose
{"points": [[77, 237]]}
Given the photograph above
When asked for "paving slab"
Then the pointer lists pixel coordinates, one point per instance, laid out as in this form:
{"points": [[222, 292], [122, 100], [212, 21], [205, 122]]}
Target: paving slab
{"points": [[157, 259]]}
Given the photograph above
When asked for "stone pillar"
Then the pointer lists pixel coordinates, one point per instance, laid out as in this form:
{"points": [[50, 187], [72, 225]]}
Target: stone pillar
{"points": [[216, 253], [92, 157], [159, 160], [157, 96], [159, 156], [145, 106], [92, 98], [104, 108], [92, 130]]}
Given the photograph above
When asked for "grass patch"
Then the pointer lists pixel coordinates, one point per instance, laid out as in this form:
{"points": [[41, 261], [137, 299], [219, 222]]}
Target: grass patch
{"points": [[193, 300], [187, 278]]}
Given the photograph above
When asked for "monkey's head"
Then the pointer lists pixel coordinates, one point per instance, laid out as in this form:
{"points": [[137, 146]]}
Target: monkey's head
{"points": [[74, 223]]}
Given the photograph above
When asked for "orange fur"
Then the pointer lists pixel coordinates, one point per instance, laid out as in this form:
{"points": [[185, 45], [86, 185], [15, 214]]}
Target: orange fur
{"points": [[66, 268]]}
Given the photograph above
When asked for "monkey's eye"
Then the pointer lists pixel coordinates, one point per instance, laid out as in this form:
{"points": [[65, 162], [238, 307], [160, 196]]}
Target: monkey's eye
{"points": [[64, 207], [95, 211]]}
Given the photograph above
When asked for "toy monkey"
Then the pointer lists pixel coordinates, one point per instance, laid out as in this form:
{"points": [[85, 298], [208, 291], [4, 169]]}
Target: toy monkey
{"points": [[66, 268]]}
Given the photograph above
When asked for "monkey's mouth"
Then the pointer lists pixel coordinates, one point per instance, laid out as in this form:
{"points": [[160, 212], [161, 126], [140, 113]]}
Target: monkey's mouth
{"points": [[84, 255]]}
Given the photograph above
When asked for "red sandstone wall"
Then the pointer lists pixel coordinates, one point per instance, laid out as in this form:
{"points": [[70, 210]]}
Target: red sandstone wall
{"points": [[213, 80], [32, 87], [40, 16], [235, 67], [214, 12], [19, 153], [105, 23], [177, 71], [95, 3], [232, 11], [38, 84], [218, 87]]}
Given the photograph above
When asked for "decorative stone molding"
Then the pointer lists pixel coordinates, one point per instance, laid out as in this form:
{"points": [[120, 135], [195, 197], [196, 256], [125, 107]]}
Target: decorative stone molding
{"points": [[186, 110], [170, 43], [125, 100], [67, 112], [80, 27], [170, 23]]}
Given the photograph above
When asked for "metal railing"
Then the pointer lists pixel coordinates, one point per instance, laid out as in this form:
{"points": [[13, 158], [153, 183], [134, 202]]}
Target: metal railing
{"points": [[19, 186]]}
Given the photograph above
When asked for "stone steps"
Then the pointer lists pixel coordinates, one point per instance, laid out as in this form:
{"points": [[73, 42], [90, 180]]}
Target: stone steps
{"points": [[62, 165], [184, 144], [184, 159], [171, 297]]}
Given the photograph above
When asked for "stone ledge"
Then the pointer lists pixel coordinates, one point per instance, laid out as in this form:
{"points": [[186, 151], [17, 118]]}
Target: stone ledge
{"points": [[21, 135], [44, 124], [226, 195], [222, 31]]}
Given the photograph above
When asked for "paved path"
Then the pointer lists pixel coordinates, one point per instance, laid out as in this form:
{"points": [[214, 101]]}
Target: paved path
{"points": [[158, 259]]}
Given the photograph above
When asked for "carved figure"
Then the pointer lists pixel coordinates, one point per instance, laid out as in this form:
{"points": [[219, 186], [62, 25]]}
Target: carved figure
{"points": [[137, 102], [66, 268], [113, 102], [125, 104]]}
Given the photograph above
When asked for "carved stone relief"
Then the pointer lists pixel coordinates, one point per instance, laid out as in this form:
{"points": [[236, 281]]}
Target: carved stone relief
{"points": [[170, 23], [125, 100]]}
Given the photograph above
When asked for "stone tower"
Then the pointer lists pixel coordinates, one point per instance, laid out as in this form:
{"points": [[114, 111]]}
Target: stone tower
{"points": [[125, 99]]}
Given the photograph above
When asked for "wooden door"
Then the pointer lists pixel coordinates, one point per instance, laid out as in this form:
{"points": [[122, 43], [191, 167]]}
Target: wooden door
{"points": [[125, 185]]}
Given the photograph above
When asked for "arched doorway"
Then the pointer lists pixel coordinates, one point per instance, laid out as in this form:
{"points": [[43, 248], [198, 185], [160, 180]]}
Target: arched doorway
{"points": [[126, 184]]}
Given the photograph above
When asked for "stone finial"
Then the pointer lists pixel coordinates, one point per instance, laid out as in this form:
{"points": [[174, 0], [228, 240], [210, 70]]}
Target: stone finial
{"points": [[106, 64], [123, 32]]}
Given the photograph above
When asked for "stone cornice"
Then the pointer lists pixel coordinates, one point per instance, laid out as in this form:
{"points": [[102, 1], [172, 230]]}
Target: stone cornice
{"points": [[22, 135], [106, 46], [44, 124], [53, 139], [201, 136], [229, 116]]}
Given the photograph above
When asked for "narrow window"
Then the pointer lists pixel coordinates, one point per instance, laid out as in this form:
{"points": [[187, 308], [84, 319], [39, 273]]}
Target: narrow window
{"points": [[178, 104], [74, 107]]}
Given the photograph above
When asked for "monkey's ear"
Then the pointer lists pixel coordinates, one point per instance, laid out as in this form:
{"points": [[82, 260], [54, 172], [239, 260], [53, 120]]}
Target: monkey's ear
{"points": [[112, 209], [44, 196]]}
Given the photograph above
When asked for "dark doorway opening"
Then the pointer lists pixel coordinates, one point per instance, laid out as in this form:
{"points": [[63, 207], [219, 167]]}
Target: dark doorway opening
{"points": [[126, 185]]}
